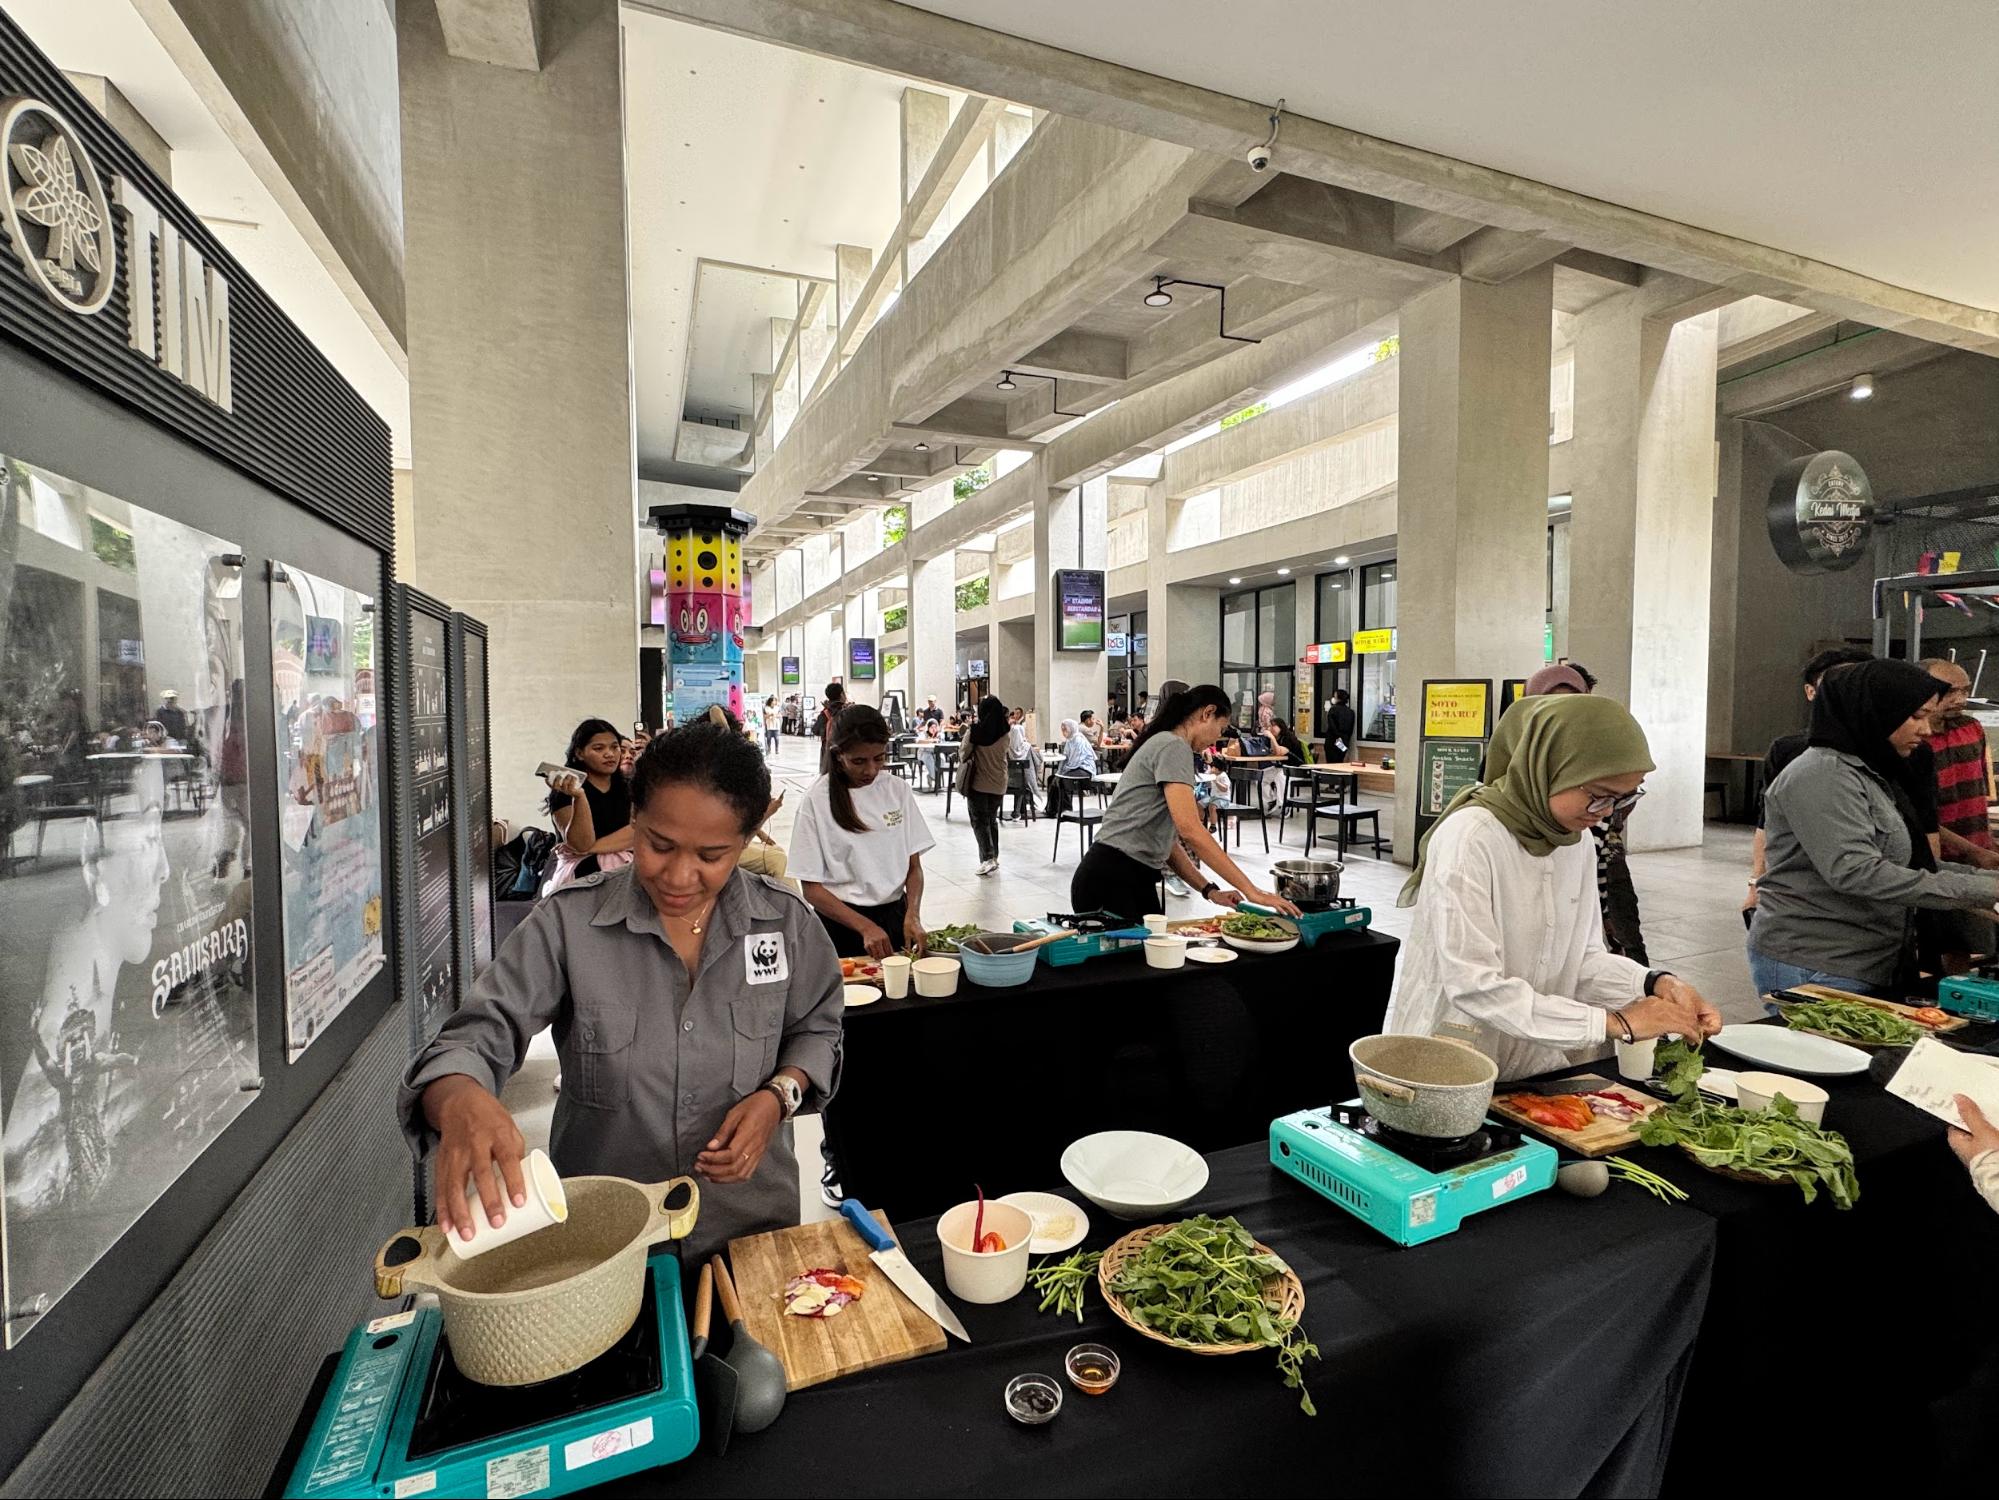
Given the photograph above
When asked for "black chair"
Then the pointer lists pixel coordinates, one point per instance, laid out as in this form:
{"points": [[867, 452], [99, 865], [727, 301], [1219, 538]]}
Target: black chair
{"points": [[902, 758], [947, 772], [1304, 792], [1245, 801], [1347, 815], [1075, 784], [1022, 792]]}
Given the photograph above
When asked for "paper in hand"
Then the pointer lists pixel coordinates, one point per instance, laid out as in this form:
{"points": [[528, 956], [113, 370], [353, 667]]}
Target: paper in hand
{"points": [[1933, 1075]]}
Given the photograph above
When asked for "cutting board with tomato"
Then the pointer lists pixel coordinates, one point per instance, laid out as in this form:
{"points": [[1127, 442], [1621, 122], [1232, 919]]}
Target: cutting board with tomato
{"points": [[881, 1328], [1923, 1016], [1601, 1136]]}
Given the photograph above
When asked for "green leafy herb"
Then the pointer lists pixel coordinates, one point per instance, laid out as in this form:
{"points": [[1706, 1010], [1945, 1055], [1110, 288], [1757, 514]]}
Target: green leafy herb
{"points": [[1256, 929], [1853, 1020], [946, 939], [1774, 1143], [1678, 1066], [1629, 1171], [1063, 1282]]}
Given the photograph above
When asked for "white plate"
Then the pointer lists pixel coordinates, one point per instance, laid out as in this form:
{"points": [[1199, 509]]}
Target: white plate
{"points": [[860, 994], [1211, 955], [1041, 1207], [1719, 1081], [1785, 1051], [1257, 945]]}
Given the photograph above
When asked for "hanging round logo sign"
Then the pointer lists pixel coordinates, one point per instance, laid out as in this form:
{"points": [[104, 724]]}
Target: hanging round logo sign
{"points": [[52, 204], [1821, 510]]}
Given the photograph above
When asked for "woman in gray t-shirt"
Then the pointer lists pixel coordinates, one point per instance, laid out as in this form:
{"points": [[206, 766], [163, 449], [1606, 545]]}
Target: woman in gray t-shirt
{"points": [[1153, 810]]}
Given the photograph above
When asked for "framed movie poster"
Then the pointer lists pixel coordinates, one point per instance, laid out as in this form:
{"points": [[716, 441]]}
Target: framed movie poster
{"points": [[328, 797], [128, 1018]]}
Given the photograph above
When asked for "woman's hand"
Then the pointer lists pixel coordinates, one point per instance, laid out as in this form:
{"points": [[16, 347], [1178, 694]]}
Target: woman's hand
{"points": [[477, 1139], [1978, 1136], [569, 783], [877, 941], [1675, 1008], [733, 1155], [914, 938], [1274, 901]]}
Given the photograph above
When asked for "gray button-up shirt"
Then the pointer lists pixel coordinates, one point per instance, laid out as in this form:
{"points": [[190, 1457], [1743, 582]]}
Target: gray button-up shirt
{"points": [[1837, 891], [650, 1062]]}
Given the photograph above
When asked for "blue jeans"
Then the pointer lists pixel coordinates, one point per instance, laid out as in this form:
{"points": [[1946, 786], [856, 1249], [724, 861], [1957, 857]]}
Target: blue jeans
{"points": [[1771, 975]]}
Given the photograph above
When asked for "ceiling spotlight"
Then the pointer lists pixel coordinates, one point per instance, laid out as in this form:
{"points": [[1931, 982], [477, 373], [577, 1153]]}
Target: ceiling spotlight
{"points": [[1235, 580], [1283, 572], [1862, 387], [922, 447], [1159, 296], [1006, 382], [1342, 560]]}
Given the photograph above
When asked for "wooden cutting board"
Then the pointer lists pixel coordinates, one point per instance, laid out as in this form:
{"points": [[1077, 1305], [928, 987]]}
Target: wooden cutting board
{"points": [[1601, 1136], [1906, 1012], [881, 1328]]}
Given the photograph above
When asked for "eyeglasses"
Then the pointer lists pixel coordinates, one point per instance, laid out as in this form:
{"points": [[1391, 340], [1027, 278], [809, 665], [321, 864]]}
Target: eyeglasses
{"points": [[1609, 803]]}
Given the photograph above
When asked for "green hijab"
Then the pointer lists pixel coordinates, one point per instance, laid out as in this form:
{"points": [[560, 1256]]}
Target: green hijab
{"points": [[1543, 746]]}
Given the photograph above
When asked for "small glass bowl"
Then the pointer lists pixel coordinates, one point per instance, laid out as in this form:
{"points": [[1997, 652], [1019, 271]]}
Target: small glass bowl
{"points": [[1026, 1392], [1080, 1361]]}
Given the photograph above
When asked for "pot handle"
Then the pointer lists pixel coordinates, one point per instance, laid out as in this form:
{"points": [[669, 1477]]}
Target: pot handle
{"points": [[1458, 1034], [672, 1223], [1381, 1086], [409, 1260]]}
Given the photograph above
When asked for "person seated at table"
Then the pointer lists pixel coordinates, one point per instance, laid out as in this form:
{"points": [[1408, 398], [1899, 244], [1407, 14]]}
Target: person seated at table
{"points": [[1848, 856], [1020, 746], [1091, 730], [1508, 937], [591, 806], [1154, 801], [670, 1064], [1079, 762]]}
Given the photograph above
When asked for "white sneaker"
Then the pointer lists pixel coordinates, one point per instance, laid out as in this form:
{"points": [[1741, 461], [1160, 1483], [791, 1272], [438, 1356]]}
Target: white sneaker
{"points": [[988, 867], [1175, 886]]}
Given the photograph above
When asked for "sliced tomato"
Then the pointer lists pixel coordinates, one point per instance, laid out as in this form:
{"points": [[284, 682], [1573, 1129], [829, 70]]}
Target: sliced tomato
{"points": [[990, 1243]]}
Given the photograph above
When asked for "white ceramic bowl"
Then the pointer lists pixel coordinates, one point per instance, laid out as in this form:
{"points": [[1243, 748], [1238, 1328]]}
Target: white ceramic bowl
{"points": [[995, 1275], [1166, 952], [1758, 1091], [1260, 945], [1133, 1173], [859, 994], [935, 977]]}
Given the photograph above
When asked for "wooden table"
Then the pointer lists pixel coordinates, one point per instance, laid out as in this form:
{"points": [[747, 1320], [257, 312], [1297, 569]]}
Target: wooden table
{"points": [[1368, 777]]}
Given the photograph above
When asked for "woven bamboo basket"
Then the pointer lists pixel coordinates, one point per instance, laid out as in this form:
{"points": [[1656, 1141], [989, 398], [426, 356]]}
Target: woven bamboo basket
{"points": [[1285, 1294]]}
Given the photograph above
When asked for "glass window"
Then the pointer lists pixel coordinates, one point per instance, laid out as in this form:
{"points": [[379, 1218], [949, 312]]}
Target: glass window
{"points": [[1377, 673], [1259, 649], [1336, 602], [1377, 596], [1239, 630]]}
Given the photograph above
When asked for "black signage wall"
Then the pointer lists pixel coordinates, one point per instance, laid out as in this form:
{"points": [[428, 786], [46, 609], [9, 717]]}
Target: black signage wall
{"points": [[429, 824], [475, 807]]}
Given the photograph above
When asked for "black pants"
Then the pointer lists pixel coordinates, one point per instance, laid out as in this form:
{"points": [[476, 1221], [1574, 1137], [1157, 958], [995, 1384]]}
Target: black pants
{"points": [[1110, 880], [847, 942], [985, 808]]}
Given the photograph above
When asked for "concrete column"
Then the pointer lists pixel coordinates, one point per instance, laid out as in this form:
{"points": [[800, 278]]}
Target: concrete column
{"points": [[816, 658], [933, 635], [1010, 668], [851, 267], [785, 402], [861, 620], [1559, 544], [1071, 528], [1725, 589], [1472, 496], [1010, 133], [1642, 541], [925, 119], [511, 181]]}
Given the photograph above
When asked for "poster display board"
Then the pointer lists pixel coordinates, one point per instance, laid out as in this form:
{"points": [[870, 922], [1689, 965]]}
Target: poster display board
{"points": [[1374, 642], [128, 1017], [1079, 607], [1457, 710], [788, 673], [328, 804], [1456, 723], [1447, 768], [1511, 691], [434, 971], [478, 784], [861, 658], [696, 686]]}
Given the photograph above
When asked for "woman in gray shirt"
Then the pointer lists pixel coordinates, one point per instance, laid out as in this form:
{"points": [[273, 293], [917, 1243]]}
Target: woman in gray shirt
{"points": [[1154, 802], [1848, 858], [696, 1009]]}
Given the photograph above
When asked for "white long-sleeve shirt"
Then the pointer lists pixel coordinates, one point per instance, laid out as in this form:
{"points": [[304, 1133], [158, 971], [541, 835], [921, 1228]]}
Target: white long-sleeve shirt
{"points": [[1985, 1177], [1513, 945]]}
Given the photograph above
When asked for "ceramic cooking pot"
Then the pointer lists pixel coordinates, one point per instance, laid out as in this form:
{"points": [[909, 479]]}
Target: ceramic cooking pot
{"points": [[1434, 1086]]}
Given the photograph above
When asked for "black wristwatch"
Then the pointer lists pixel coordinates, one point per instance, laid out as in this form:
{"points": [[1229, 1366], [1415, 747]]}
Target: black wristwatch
{"points": [[1209, 889], [1653, 977]]}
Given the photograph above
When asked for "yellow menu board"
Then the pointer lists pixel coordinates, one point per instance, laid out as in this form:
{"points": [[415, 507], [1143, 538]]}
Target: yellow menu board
{"points": [[1373, 642], [1455, 710]]}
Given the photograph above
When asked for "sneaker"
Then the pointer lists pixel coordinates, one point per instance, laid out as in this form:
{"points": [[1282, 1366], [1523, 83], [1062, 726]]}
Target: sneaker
{"points": [[986, 867], [1175, 886], [829, 1188]]}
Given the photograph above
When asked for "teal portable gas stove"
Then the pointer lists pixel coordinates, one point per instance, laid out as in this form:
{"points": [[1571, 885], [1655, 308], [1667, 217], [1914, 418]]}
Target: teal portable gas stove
{"points": [[1410, 1188], [1973, 994], [400, 1420]]}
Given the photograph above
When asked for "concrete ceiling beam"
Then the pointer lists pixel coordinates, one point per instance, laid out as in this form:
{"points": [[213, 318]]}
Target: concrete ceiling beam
{"points": [[787, 355], [1320, 263], [505, 33], [1257, 308], [961, 421], [1094, 358], [1498, 255], [954, 53], [1603, 267], [1428, 232]]}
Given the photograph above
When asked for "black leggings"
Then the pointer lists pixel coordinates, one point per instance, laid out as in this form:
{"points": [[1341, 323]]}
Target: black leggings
{"points": [[985, 807], [1110, 880]]}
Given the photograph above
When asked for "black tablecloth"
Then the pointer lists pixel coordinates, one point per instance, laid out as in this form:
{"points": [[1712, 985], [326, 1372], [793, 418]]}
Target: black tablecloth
{"points": [[987, 1086], [1539, 1350]]}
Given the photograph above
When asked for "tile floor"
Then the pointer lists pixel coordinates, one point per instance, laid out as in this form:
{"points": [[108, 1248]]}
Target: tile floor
{"points": [[1688, 898]]}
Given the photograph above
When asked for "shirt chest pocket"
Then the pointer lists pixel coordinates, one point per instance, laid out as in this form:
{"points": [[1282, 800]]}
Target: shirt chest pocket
{"points": [[757, 1024], [598, 1071]]}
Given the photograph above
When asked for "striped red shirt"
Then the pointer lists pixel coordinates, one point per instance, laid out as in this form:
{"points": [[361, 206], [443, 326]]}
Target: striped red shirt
{"points": [[1961, 801]]}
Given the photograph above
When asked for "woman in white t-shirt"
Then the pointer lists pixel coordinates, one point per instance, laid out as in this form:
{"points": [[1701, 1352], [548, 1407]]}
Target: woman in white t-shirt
{"points": [[858, 844]]}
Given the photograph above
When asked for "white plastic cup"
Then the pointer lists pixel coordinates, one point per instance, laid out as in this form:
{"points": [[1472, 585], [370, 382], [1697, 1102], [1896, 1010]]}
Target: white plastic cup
{"points": [[993, 1276], [547, 1206], [895, 975], [1156, 924], [1634, 1059], [1755, 1092], [1166, 952]]}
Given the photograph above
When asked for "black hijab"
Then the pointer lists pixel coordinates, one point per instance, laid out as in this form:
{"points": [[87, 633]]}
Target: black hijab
{"points": [[1857, 708], [992, 723]]}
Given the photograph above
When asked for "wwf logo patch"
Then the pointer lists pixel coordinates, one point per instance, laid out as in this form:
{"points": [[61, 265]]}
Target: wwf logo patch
{"points": [[764, 959]]}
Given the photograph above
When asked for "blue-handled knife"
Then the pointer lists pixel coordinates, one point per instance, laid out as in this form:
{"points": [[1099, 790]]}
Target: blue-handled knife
{"points": [[887, 1254]]}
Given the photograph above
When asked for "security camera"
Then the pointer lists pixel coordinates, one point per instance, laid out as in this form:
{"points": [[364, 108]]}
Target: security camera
{"points": [[1259, 158]]}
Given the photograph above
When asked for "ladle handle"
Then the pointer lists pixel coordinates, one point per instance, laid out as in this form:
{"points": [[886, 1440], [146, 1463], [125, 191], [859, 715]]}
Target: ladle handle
{"points": [[672, 1223], [731, 1308], [415, 1253], [704, 1298]]}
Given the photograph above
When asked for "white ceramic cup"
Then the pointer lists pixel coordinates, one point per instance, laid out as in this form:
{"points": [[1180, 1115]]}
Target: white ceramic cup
{"points": [[935, 977], [895, 975], [1156, 924], [1634, 1059], [547, 1205], [1166, 952], [995, 1275], [1758, 1091]]}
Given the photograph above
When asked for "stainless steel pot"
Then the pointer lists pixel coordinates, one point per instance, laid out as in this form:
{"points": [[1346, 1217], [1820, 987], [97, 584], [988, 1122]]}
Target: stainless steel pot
{"points": [[552, 1301], [1436, 1086], [1308, 882]]}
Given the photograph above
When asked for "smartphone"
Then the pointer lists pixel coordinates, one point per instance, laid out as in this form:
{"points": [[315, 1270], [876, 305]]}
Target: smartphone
{"points": [[549, 768], [638, 727]]}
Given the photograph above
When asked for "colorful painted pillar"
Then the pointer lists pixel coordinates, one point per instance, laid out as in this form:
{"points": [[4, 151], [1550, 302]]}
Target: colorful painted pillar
{"points": [[706, 609]]}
